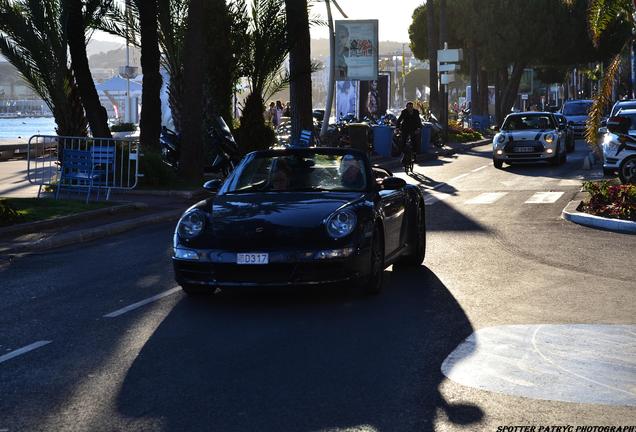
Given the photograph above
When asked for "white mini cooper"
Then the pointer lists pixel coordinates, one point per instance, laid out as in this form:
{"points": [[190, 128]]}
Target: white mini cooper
{"points": [[530, 137]]}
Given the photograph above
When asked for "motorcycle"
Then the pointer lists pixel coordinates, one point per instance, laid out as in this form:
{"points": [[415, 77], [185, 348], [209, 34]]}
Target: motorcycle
{"points": [[221, 149]]}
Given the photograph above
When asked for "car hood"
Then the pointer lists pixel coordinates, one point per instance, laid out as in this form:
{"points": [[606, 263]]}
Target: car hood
{"points": [[269, 220], [526, 135]]}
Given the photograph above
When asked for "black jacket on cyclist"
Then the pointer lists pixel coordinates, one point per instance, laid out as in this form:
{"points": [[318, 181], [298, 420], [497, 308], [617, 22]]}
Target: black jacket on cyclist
{"points": [[409, 122]]}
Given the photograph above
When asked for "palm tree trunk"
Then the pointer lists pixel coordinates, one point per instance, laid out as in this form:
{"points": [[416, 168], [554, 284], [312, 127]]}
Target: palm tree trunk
{"points": [[95, 112], [191, 157], [432, 55], [299, 65], [150, 122], [68, 110], [219, 86]]}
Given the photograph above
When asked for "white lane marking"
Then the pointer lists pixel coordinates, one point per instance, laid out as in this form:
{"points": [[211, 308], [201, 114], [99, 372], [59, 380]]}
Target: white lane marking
{"points": [[487, 198], [459, 177], [141, 303], [23, 350], [479, 169], [544, 357], [544, 198], [570, 182], [580, 363], [436, 197]]}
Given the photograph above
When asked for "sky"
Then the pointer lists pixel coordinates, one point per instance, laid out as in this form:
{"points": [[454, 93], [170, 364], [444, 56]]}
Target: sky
{"points": [[394, 17]]}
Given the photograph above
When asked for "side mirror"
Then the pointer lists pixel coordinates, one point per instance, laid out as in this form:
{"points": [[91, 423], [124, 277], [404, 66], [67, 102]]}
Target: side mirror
{"points": [[213, 186], [618, 125], [392, 183]]}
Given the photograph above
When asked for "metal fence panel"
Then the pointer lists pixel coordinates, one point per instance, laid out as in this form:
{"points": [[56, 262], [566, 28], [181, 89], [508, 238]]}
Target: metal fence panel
{"points": [[115, 162]]}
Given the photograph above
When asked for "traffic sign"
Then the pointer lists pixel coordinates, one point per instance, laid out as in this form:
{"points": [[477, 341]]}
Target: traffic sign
{"points": [[450, 55], [450, 67], [447, 78]]}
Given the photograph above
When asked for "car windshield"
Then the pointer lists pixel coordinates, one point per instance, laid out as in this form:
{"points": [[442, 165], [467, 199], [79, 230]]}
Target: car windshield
{"points": [[577, 109], [632, 119], [302, 172], [622, 106], [528, 122]]}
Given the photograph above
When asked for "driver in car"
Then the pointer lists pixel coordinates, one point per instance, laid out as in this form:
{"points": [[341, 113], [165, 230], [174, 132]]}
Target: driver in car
{"points": [[351, 175], [281, 177]]}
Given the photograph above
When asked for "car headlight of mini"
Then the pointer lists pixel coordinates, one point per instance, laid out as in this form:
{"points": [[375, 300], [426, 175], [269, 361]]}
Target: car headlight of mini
{"points": [[609, 145], [191, 224], [549, 138], [341, 223], [501, 138]]}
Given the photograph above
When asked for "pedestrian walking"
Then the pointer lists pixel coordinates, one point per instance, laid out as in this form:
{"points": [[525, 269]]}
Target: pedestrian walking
{"points": [[270, 115], [287, 112]]}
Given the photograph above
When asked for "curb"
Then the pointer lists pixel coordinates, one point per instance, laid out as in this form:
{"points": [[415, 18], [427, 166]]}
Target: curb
{"points": [[572, 214], [91, 234], [57, 221]]}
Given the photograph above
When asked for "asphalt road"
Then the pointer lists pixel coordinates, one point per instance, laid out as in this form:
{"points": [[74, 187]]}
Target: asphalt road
{"points": [[86, 344]]}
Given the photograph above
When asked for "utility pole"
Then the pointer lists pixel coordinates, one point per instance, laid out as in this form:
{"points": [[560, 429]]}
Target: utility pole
{"points": [[332, 67], [443, 39]]}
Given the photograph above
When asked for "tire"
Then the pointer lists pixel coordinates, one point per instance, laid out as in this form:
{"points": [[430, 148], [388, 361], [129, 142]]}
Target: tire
{"points": [[372, 283], [196, 290], [571, 144], [627, 170], [497, 163], [555, 160], [563, 157], [418, 240]]}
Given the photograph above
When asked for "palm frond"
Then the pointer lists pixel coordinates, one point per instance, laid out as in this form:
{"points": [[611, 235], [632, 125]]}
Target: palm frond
{"points": [[601, 102], [602, 13]]}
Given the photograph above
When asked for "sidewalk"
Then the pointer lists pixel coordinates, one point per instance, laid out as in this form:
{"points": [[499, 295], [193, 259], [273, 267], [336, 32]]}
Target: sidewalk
{"points": [[137, 209], [131, 211]]}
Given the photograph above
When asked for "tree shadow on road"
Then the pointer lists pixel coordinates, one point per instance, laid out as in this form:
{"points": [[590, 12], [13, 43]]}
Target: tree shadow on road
{"points": [[302, 360]]}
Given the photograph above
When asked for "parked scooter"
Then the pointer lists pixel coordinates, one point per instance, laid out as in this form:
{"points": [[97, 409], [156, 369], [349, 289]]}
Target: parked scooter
{"points": [[221, 148]]}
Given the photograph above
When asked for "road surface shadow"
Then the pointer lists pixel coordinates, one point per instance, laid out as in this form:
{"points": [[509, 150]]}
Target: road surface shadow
{"points": [[302, 361]]}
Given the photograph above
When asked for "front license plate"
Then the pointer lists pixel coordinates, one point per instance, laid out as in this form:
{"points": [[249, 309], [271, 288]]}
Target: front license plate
{"points": [[524, 149], [252, 258]]}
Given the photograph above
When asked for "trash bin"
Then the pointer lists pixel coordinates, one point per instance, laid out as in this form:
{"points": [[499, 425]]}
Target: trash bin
{"points": [[359, 136], [382, 140], [425, 141]]}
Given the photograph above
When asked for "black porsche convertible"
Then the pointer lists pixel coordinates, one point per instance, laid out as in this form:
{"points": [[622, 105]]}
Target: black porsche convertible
{"points": [[300, 216]]}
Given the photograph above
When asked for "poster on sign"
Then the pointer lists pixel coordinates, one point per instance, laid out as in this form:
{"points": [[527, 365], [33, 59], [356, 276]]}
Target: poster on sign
{"points": [[356, 50], [374, 97], [346, 100]]}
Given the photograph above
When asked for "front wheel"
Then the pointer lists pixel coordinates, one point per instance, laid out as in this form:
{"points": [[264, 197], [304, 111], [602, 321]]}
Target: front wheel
{"points": [[627, 170], [372, 283], [417, 240], [497, 163]]}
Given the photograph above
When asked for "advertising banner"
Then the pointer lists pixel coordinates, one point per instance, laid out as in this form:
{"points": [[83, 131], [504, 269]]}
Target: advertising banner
{"points": [[346, 99], [356, 50], [374, 97]]}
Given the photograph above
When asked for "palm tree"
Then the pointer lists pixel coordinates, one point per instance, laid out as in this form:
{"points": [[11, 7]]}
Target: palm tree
{"points": [[78, 16], [173, 15], [262, 65], [150, 122], [33, 37], [603, 15], [299, 65]]}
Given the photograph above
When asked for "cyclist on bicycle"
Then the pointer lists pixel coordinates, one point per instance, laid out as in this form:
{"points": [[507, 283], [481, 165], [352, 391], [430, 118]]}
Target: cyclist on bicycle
{"points": [[409, 124]]}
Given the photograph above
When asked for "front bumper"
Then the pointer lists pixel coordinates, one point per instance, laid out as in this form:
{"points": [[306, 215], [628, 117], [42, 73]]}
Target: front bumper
{"points": [[578, 130], [286, 268], [511, 154]]}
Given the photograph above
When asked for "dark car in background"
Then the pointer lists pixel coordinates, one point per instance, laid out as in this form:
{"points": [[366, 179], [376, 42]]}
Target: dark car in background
{"points": [[577, 113], [568, 134], [300, 217]]}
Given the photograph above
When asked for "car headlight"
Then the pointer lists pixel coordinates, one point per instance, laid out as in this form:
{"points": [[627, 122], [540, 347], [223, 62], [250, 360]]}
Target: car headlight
{"points": [[549, 138], [609, 145], [501, 138], [191, 224], [341, 223]]}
